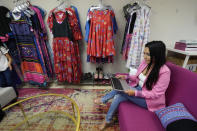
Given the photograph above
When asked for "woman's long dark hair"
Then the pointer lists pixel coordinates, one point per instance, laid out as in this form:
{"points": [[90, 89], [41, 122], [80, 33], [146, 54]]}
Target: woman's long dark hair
{"points": [[157, 51]]}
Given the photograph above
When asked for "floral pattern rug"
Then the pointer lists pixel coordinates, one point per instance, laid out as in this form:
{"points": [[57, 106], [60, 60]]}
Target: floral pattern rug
{"points": [[92, 115]]}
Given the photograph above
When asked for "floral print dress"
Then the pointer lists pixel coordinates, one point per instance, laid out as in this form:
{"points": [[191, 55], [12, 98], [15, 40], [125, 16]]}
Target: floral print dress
{"points": [[100, 46]]}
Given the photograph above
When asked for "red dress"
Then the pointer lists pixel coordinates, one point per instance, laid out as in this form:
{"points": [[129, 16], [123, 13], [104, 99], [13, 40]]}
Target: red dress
{"points": [[66, 51], [100, 41]]}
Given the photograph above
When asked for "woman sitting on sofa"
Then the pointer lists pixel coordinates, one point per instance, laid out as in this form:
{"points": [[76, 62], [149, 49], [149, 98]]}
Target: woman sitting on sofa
{"points": [[148, 86]]}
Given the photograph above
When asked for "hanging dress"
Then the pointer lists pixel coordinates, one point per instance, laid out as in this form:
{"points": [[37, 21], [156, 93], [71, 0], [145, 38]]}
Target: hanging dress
{"points": [[31, 62], [128, 36], [65, 57], [101, 30], [140, 37], [40, 37]]}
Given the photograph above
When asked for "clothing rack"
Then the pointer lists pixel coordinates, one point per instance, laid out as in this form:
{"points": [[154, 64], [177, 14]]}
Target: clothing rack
{"points": [[20, 2], [21, 5], [100, 3], [143, 2], [64, 4]]}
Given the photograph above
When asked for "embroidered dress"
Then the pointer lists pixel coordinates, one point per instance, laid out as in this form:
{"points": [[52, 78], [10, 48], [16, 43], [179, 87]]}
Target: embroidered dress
{"points": [[31, 66], [66, 32], [40, 37], [73, 22], [73, 19], [100, 34]]}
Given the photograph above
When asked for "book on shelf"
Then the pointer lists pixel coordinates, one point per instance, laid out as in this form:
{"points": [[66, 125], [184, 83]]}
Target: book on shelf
{"points": [[192, 46], [189, 41], [190, 49], [186, 44], [185, 47]]}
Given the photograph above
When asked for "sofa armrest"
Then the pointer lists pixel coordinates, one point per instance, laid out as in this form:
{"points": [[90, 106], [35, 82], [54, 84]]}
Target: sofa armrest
{"points": [[7, 94], [182, 88]]}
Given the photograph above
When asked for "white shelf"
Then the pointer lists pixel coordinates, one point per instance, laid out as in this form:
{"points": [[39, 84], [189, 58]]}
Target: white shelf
{"points": [[190, 53], [186, 53]]}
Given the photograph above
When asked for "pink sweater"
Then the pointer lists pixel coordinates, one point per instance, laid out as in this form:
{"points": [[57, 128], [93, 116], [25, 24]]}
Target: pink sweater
{"points": [[155, 98]]}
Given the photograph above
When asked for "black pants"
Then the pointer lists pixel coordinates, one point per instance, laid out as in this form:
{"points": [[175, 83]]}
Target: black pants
{"points": [[6, 79]]}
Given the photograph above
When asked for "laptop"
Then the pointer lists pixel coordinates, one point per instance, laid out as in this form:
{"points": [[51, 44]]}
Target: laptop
{"points": [[119, 84]]}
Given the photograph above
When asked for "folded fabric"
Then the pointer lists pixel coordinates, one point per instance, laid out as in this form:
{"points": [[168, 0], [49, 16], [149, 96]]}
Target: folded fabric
{"points": [[173, 113]]}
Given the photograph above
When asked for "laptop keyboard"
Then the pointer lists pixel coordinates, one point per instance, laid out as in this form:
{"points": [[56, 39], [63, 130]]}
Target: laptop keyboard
{"points": [[117, 84]]}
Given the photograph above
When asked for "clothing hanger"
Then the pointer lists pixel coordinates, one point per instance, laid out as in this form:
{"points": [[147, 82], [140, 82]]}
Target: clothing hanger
{"points": [[24, 5], [28, 8], [134, 7], [144, 3], [16, 9], [16, 12], [19, 5], [62, 6], [101, 6]]}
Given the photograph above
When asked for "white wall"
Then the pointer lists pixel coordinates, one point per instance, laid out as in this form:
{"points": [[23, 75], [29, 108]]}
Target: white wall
{"points": [[171, 20]]}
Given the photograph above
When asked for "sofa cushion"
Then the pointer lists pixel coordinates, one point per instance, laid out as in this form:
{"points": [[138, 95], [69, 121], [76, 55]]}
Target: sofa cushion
{"points": [[173, 113], [182, 125], [133, 117]]}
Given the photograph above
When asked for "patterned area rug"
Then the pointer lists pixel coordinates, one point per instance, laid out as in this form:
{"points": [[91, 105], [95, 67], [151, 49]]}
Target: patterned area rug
{"points": [[92, 115]]}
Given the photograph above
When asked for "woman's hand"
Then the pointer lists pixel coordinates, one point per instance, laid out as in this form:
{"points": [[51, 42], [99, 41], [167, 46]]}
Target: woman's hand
{"points": [[9, 60], [10, 66], [121, 77], [130, 92]]}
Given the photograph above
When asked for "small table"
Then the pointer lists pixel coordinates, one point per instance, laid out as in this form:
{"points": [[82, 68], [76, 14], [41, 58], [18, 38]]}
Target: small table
{"points": [[75, 117], [186, 53]]}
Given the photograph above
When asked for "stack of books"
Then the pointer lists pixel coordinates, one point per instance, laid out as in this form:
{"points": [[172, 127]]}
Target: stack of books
{"points": [[186, 45]]}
